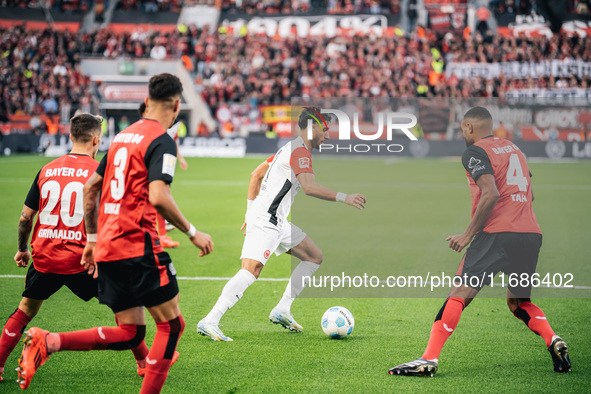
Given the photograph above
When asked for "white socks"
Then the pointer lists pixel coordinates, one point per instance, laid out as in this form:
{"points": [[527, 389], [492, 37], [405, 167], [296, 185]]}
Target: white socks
{"points": [[231, 293], [296, 284]]}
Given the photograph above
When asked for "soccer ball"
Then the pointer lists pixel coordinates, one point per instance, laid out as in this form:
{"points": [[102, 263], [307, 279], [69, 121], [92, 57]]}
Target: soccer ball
{"points": [[337, 322]]}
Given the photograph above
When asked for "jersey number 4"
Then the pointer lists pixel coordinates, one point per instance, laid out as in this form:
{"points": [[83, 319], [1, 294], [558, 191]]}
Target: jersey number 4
{"points": [[515, 175], [52, 191]]}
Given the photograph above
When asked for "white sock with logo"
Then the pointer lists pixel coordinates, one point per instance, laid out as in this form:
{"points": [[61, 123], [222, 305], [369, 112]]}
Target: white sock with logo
{"points": [[231, 293], [296, 284]]}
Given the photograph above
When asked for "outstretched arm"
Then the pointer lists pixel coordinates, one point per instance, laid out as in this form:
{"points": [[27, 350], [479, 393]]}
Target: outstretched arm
{"points": [[488, 199], [25, 224], [311, 188]]}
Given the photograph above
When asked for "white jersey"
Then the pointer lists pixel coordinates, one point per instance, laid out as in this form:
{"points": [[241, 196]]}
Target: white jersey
{"points": [[173, 132], [280, 185]]}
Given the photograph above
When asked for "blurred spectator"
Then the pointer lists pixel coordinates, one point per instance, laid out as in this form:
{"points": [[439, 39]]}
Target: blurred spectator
{"points": [[39, 69], [150, 5]]}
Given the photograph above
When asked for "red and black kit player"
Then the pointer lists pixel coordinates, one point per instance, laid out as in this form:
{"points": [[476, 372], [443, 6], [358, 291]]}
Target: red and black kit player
{"points": [[59, 235], [503, 235], [133, 270]]}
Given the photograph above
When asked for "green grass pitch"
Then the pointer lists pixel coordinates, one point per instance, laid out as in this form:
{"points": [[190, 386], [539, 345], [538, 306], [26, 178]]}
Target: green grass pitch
{"points": [[491, 351]]}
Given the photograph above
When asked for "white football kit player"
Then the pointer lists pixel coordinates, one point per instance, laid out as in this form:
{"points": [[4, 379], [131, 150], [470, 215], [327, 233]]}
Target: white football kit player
{"points": [[267, 229]]}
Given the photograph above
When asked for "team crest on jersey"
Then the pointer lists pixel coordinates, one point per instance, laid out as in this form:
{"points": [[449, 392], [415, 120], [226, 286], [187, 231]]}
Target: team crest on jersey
{"points": [[304, 162], [267, 254]]}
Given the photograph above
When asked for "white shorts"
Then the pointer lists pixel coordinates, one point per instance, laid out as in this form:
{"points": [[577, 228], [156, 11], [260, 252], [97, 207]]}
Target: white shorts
{"points": [[263, 238]]}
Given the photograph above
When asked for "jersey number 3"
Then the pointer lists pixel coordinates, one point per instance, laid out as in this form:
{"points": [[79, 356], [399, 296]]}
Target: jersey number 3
{"points": [[118, 184], [515, 175]]}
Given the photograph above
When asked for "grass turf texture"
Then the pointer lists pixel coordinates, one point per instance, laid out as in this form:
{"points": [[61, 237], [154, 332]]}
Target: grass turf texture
{"points": [[490, 351]]}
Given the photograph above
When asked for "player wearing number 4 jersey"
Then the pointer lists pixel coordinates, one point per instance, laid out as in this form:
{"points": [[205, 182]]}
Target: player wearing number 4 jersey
{"points": [[503, 236], [277, 181], [133, 270], [59, 235]]}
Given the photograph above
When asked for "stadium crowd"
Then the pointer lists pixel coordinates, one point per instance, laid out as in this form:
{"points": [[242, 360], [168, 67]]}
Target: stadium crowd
{"points": [[40, 69], [40, 72]]}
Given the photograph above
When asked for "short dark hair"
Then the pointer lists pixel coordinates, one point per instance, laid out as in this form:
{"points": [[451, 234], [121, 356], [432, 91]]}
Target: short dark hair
{"points": [[164, 87], [314, 114], [479, 113], [142, 109], [85, 126]]}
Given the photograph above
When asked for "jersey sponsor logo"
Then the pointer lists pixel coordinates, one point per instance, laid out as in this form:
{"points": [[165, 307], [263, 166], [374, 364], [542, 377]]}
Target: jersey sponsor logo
{"points": [[304, 162], [267, 254], [60, 234], [473, 164], [168, 164], [112, 209], [10, 334], [128, 138]]}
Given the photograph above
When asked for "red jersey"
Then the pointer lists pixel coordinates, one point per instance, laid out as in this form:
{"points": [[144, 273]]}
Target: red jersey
{"points": [[59, 235], [140, 154], [513, 211]]}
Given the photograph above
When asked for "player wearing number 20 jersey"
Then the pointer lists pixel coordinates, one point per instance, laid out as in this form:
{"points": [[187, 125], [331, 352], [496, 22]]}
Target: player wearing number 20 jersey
{"points": [[58, 235]]}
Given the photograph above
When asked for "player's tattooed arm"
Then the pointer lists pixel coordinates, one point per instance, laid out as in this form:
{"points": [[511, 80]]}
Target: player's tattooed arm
{"points": [[92, 191], [25, 224]]}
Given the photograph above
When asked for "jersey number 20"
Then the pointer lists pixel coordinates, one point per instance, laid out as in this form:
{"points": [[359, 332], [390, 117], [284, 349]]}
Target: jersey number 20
{"points": [[52, 191]]}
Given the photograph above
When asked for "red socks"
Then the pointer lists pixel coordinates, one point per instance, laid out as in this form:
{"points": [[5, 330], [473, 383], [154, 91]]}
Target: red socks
{"points": [[11, 334], [122, 337], [535, 320], [160, 358], [445, 323]]}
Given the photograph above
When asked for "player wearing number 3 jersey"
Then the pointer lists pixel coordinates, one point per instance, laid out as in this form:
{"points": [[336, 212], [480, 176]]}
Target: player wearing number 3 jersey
{"points": [[133, 270], [503, 235], [276, 182], [59, 234]]}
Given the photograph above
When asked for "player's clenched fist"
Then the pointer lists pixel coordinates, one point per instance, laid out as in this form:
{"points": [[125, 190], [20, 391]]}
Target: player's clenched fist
{"points": [[356, 200], [203, 242], [22, 258]]}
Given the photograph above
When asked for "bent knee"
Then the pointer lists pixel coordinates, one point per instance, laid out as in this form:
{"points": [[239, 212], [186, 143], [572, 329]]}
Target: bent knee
{"points": [[137, 336]]}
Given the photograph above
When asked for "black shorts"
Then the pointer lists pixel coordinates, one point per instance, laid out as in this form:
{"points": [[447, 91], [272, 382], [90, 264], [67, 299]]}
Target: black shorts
{"points": [[148, 280], [41, 286], [512, 253]]}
